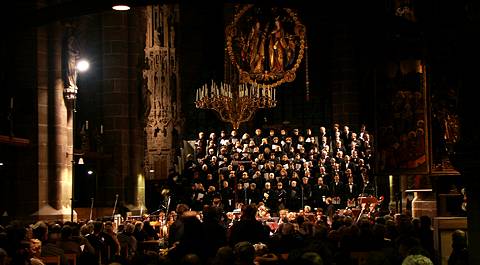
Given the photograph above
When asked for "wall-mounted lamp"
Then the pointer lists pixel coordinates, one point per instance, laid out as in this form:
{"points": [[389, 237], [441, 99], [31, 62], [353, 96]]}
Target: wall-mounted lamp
{"points": [[120, 5], [83, 65], [90, 172]]}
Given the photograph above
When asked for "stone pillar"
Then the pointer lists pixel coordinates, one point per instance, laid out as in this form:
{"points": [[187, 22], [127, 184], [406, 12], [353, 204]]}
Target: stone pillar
{"points": [[54, 128], [121, 57]]}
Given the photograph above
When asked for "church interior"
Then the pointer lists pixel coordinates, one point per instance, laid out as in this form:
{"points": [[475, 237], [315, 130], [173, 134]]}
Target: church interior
{"points": [[75, 145]]}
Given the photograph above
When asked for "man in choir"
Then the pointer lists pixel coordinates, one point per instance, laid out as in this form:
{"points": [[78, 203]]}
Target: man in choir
{"points": [[210, 195], [319, 193], [281, 196], [368, 188], [295, 135], [257, 138], [352, 192], [348, 164], [223, 140], [253, 194], [200, 146], [226, 193], [294, 196], [306, 191], [269, 197], [346, 135], [337, 191], [212, 141], [322, 132], [271, 135], [324, 175], [233, 137]]}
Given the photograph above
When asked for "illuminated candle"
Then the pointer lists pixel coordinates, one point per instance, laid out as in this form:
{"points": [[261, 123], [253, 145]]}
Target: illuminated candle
{"points": [[101, 128], [11, 102]]}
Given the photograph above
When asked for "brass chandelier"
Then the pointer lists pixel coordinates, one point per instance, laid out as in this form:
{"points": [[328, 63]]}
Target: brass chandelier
{"points": [[236, 104]]}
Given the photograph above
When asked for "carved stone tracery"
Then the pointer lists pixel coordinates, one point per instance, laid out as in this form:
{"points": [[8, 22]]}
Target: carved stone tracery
{"points": [[161, 90]]}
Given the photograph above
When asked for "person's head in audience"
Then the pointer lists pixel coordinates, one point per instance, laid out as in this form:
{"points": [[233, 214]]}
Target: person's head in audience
{"points": [[408, 245], [40, 231], [249, 212], [244, 253], [224, 256], [66, 232], [181, 208], [54, 232], [86, 229], [459, 239], [417, 260], [258, 132], [35, 247], [282, 214], [309, 258], [191, 259]]}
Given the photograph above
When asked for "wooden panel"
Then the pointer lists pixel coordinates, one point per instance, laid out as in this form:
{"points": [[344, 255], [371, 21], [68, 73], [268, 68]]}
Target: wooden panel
{"points": [[51, 260]]}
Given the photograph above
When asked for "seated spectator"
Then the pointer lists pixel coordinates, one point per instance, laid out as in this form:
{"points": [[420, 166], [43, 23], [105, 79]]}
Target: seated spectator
{"points": [[127, 241], [49, 238], [459, 253], [34, 251]]}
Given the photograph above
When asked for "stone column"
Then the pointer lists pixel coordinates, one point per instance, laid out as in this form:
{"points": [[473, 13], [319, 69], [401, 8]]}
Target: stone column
{"points": [[54, 133]]}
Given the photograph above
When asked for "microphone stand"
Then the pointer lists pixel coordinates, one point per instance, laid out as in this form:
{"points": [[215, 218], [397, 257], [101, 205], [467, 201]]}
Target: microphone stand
{"points": [[91, 209], [115, 206], [302, 197]]}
